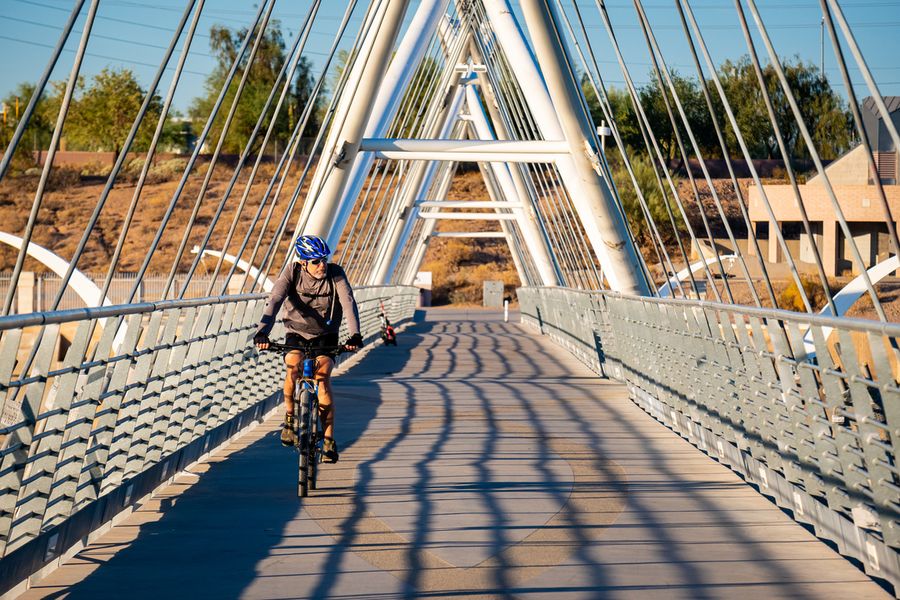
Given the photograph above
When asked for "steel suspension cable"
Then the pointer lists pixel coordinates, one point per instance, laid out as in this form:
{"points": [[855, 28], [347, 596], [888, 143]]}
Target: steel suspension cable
{"points": [[430, 118], [287, 161], [120, 161], [51, 154], [281, 174], [151, 151], [520, 118], [403, 121], [201, 140], [707, 96], [664, 80], [39, 88], [782, 148], [804, 131], [655, 238], [412, 120], [860, 127], [749, 160], [599, 88], [214, 159], [332, 164], [654, 152], [502, 116], [288, 73], [270, 254]]}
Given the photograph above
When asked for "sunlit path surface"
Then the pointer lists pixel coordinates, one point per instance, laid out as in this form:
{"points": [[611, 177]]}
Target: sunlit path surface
{"points": [[479, 461]]}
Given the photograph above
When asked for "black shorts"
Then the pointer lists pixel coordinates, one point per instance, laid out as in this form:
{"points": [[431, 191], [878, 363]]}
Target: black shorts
{"points": [[329, 340]]}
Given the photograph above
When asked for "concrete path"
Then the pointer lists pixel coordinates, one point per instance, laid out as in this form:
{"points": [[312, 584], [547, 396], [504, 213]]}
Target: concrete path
{"points": [[479, 461]]}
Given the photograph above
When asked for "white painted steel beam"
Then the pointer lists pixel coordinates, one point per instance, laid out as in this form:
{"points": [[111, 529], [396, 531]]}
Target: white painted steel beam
{"points": [[559, 114], [470, 234], [468, 204], [80, 283], [420, 244], [422, 174], [462, 156], [537, 245], [516, 250], [496, 149], [461, 216], [367, 106], [418, 186], [590, 193]]}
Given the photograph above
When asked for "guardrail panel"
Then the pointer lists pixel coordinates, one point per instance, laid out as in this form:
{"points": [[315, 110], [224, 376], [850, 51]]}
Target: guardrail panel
{"points": [[91, 479], [82, 414], [86, 436], [17, 447], [188, 372], [151, 397], [171, 374]]}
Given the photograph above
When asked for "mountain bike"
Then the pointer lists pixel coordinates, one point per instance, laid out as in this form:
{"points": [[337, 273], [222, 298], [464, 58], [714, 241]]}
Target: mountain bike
{"points": [[310, 431]]}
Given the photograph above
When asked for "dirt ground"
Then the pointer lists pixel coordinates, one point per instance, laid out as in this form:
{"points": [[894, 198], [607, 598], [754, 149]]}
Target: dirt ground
{"points": [[459, 266]]}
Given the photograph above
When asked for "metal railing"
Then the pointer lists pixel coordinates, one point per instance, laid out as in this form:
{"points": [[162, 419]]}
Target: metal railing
{"points": [[118, 400], [46, 286], [806, 408]]}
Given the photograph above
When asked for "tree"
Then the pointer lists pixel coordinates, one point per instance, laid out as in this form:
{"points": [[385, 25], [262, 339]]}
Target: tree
{"points": [[824, 112], [270, 57], [645, 175], [104, 112], [40, 127]]}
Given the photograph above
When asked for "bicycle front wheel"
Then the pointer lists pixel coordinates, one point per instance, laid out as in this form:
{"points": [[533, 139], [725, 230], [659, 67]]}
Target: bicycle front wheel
{"points": [[304, 443], [313, 460]]}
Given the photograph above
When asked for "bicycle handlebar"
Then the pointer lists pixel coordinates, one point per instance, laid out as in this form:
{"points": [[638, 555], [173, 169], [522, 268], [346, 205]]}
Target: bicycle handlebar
{"points": [[305, 348]]}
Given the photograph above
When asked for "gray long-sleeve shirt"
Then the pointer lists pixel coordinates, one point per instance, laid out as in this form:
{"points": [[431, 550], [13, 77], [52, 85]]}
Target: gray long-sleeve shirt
{"points": [[314, 307]]}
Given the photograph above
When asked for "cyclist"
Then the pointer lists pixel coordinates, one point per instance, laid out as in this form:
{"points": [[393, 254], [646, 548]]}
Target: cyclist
{"points": [[318, 296]]}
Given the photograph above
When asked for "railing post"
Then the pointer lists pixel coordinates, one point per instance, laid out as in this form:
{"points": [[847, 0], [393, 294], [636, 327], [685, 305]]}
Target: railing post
{"points": [[25, 297]]}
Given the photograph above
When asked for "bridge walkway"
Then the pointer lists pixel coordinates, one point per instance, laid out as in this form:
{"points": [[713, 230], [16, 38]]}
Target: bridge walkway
{"points": [[480, 461]]}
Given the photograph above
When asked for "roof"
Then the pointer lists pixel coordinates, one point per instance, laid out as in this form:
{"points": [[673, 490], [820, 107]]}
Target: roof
{"points": [[892, 103]]}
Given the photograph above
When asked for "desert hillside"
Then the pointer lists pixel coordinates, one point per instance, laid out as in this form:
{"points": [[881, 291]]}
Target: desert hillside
{"points": [[459, 266]]}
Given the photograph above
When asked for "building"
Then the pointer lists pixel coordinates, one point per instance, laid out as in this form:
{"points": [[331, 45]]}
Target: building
{"points": [[857, 195]]}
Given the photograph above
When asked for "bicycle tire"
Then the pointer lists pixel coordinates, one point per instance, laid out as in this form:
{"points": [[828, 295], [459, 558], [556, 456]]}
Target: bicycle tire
{"points": [[304, 443], [313, 460]]}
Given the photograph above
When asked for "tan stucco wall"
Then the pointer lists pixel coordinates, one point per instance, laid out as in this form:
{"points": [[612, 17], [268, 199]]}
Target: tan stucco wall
{"points": [[858, 202], [850, 169]]}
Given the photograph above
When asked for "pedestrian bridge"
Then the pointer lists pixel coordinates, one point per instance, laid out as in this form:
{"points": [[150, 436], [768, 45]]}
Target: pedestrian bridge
{"points": [[480, 459], [681, 407]]}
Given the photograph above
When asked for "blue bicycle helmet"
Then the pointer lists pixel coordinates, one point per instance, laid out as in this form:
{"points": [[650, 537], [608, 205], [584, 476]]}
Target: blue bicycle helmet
{"points": [[311, 247]]}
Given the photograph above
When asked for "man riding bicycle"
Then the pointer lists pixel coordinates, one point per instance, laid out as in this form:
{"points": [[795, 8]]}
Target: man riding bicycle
{"points": [[318, 296]]}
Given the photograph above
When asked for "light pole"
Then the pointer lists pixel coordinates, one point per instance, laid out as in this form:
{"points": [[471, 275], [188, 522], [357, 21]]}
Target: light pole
{"points": [[822, 47]]}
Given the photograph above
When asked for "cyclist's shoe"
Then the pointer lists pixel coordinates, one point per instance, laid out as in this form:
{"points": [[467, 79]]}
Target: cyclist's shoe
{"points": [[330, 450], [288, 431]]}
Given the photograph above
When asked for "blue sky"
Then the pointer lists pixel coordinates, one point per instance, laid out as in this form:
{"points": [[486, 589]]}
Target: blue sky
{"points": [[132, 34]]}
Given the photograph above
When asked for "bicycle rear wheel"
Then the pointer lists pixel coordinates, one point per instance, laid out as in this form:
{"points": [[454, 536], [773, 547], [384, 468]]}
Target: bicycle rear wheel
{"points": [[304, 439]]}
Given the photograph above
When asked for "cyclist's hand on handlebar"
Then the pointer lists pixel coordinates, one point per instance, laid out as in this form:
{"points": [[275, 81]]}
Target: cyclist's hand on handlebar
{"points": [[261, 340], [354, 343]]}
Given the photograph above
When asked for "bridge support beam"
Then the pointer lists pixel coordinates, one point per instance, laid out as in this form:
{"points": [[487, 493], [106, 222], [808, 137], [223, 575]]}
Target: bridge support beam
{"points": [[538, 246], [417, 187], [556, 102], [515, 248], [420, 244], [369, 93]]}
